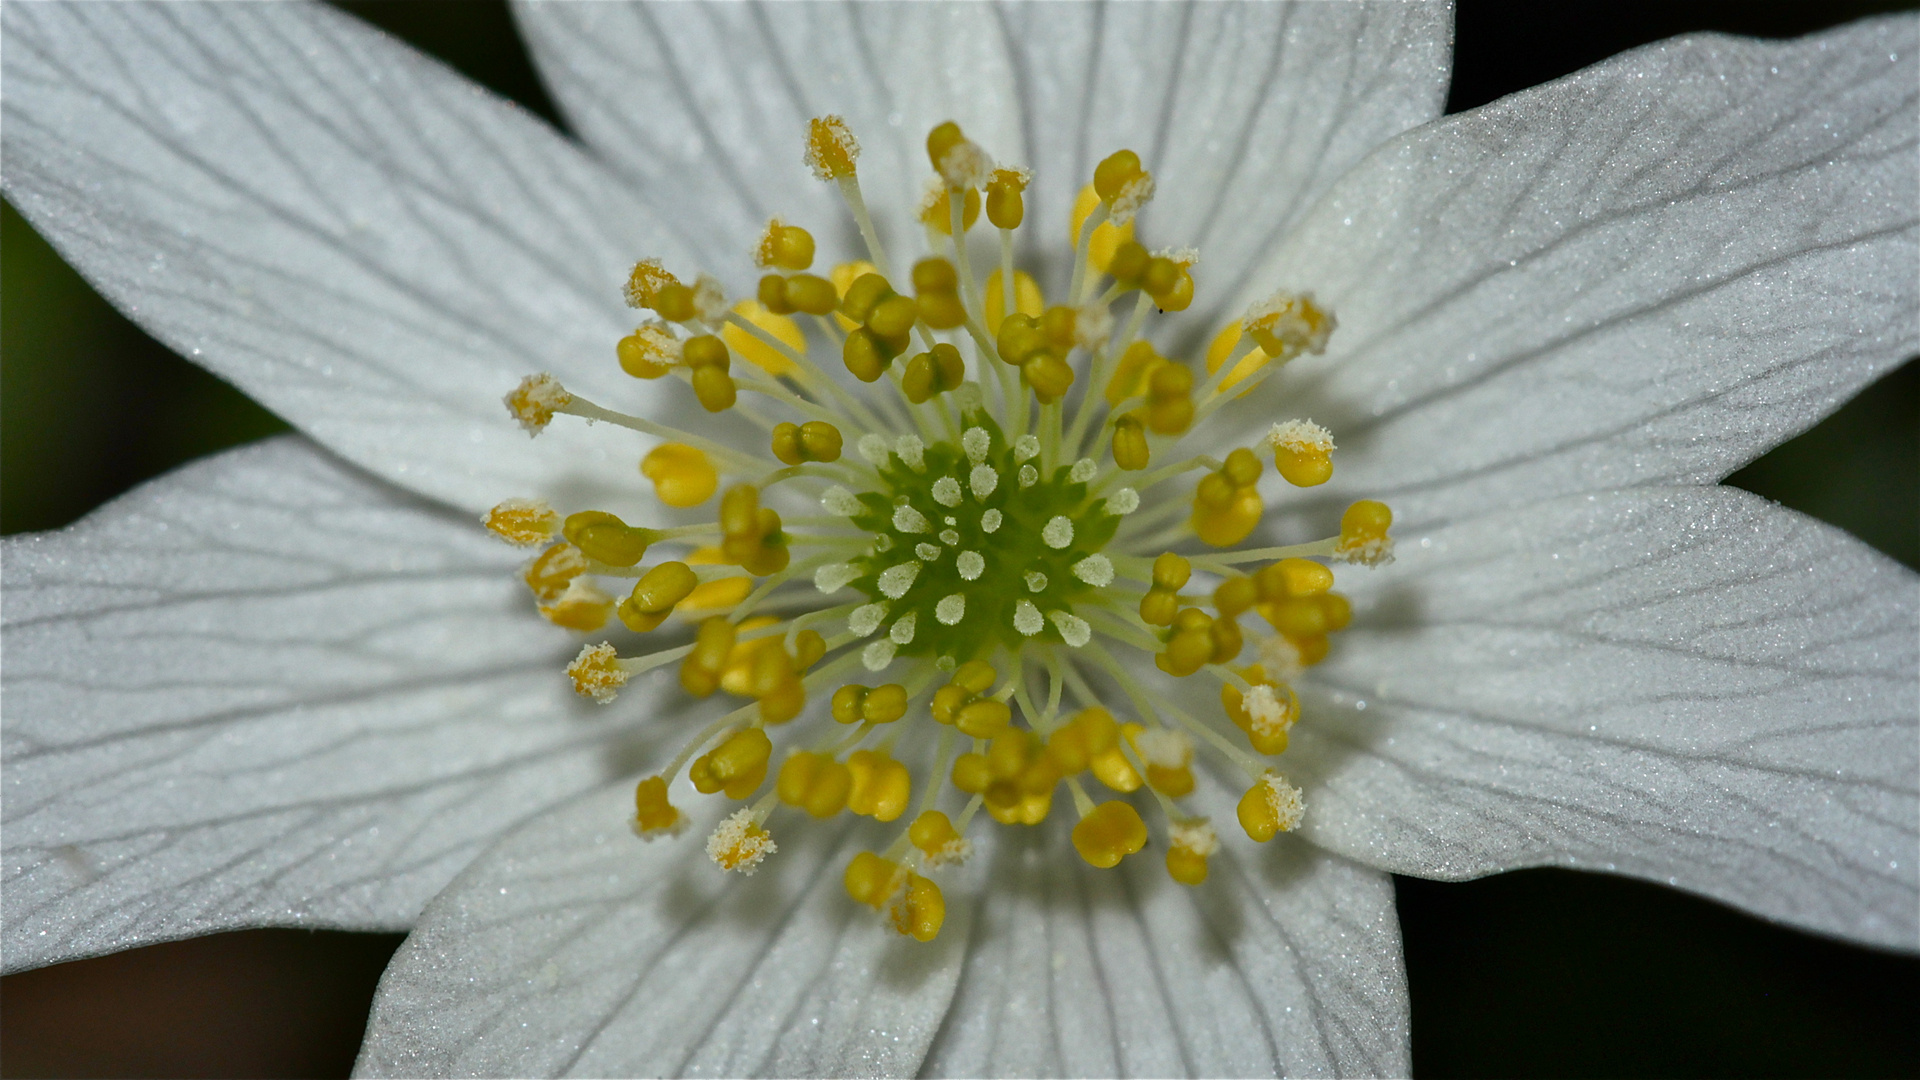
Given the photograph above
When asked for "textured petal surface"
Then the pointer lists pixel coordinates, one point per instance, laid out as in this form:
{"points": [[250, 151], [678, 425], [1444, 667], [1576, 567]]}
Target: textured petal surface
{"points": [[1689, 685], [1245, 113], [1651, 271], [704, 107], [571, 948], [271, 690], [360, 239]]}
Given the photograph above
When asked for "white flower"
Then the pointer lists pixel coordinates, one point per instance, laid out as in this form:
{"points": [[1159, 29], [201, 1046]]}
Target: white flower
{"points": [[276, 689]]}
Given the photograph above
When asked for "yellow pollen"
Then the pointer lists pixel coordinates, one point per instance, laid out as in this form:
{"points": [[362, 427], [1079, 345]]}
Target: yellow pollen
{"points": [[551, 571], [649, 352], [645, 282], [1288, 324], [1189, 843], [653, 815], [919, 910], [787, 247], [535, 400], [1363, 533], [596, 673], [831, 148], [523, 522], [1302, 452], [1110, 833], [740, 843], [1271, 806], [1226, 505], [582, 607]]}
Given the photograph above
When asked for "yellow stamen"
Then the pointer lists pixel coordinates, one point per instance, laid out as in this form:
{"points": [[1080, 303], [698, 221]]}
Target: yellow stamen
{"points": [[523, 522]]}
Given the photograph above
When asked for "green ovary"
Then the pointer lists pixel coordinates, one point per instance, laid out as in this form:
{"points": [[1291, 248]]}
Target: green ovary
{"points": [[945, 531]]}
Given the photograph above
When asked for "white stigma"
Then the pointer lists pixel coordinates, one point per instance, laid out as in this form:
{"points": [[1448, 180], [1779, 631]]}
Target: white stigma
{"points": [[866, 619], [1026, 448], [990, 522], [951, 609], [975, 441], [971, 565], [911, 450], [1029, 476], [1026, 618], [928, 552], [874, 449], [896, 580], [946, 491], [982, 480], [878, 655], [909, 520], [835, 576], [901, 632], [1123, 502], [1264, 708], [1083, 470], [1036, 581], [949, 536], [1095, 570], [840, 501], [1073, 629], [1058, 533]]}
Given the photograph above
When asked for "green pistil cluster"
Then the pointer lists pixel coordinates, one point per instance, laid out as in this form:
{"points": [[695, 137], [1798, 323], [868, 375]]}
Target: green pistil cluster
{"points": [[974, 546]]}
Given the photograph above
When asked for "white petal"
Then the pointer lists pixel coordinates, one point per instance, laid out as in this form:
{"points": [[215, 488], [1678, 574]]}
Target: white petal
{"points": [[371, 246], [707, 105], [1244, 112], [1651, 271], [1286, 961], [270, 690], [1687, 685], [573, 948]]}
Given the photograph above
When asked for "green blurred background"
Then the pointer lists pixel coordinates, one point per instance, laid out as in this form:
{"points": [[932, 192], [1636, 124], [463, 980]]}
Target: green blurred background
{"points": [[1543, 972]]}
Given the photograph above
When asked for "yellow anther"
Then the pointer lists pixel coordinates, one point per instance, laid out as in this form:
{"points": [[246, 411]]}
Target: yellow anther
{"points": [[737, 677], [788, 247], [582, 607], [1222, 348], [1293, 577], [645, 281], [1170, 399], [936, 210], [854, 703], [843, 276], [941, 141], [551, 571], [815, 440], [710, 360], [1130, 374], [523, 522], [649, 352], [1226, 504], [1363, 533], [933, 833], [936, 289], [535, 400], [1338, 611], [1270, 806], [1235, 595], [919, 910], [983, 719], [775, 682], [1049, 376], [1162, 601], [720, 594], [1297, 617], [885, 317], [676, 303], [1006, 205], [700, 671], [815, 783], [1027, 298], [1107, 236], [934, 372], [1057, 327], [1302, 451], [1111, 832], [596, 673], [652, 813], [1112, 768], [740, 843], [1019, 339], [811, 294], [737, 766], [968, 682], [970, 773], [1190, 644], [1227, 640], [1130, 450], [872, 880], [656, 594], [751, 533], [1178, 297], [1285, 325], [757, 352], [1129, 265], [602, 537], [1114, 173], [1168, 753], [1266, 712], [831, 148], [865, 355], [1075, 744], [881, 785], [1188, 845], [682, 475]]}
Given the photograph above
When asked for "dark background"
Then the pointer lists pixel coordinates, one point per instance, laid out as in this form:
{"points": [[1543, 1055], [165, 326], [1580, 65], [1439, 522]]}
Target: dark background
{"points": [[1541, 972]]}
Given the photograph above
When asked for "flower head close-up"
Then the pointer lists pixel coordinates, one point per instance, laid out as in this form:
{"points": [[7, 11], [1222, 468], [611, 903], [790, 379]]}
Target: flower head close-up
{"points": [[955, 539]]}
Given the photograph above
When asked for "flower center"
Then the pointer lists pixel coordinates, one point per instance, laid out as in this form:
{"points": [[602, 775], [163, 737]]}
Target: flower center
{"points": [[1001, 542]]}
